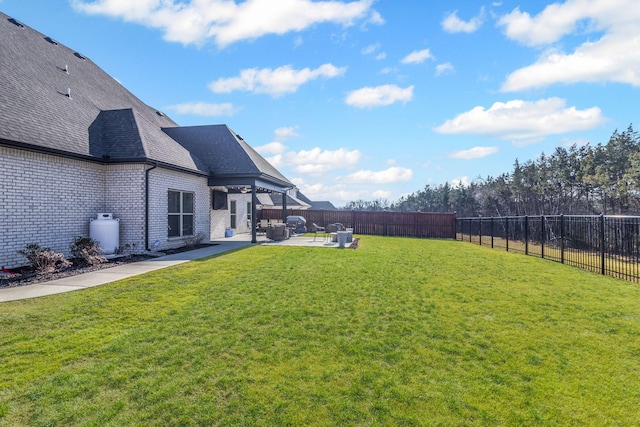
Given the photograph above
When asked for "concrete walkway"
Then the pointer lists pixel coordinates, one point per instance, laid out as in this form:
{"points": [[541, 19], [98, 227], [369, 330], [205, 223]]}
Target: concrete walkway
{"points": [[108, 275]]}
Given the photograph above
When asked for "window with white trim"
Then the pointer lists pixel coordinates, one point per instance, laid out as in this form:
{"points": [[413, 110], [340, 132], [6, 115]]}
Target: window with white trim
{"points": [[180, 213], [232, 213]]}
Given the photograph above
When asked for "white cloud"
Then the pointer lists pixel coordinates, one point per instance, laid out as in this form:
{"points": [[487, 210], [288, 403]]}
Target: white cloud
{"points": [[417, 57], [554, 22], [460, 181], [381, 194], [387, 176], [274, 82], [614, 57], [225, 21], [372, 48], [321, 191], [204, 109], [521, 121], [369, 97], [474, 153], [316, 161], [285, 133], [445, 68], [272, 148], [376, 18], [452, 24]]}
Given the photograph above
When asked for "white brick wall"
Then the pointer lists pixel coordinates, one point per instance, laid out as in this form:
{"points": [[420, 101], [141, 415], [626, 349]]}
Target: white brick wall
{"points": [[46, 200], [163, 180], [125, 198], [221, 219], [50, 200]]}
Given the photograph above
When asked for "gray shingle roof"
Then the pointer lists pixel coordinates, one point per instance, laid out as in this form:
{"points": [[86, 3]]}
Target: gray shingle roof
{"points": [[317, 205], [223, 151], [55, 99], [35, 109]]}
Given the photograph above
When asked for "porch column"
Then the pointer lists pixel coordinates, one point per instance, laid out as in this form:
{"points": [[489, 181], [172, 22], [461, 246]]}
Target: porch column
{"points": [[254, 203], [284, 206]]}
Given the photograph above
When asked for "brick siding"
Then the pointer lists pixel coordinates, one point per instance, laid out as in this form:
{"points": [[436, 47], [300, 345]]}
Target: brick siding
{"points": [[49, 200]]}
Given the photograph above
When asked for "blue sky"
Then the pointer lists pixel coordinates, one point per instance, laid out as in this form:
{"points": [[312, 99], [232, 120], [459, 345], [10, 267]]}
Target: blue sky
{"points": [[370, 99]]}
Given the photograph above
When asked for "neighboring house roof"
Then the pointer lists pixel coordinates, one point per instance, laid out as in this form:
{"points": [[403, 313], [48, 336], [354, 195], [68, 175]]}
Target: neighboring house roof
{"points": [[55, 100], [323, 205], [275, 200], [299, 201], [317, 205]]}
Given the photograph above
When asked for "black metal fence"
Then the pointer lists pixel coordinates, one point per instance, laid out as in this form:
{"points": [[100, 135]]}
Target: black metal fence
{"points": [[604, 244]]}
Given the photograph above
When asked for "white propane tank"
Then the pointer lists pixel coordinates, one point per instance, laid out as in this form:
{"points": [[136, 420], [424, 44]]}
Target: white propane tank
{"points": [[106, 231]]}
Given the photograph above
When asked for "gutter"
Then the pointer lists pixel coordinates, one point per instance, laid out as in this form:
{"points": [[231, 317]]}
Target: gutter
{"points": [[146, 205]]}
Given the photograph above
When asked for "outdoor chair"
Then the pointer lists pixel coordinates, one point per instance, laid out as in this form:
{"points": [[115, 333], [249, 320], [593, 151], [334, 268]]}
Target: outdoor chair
{"points": [[316, 229], [278, 232], [332, 230]]}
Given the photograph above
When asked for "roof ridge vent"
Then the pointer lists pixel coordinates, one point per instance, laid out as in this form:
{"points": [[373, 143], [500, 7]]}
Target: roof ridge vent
{"points": [[79, 55], [50, 40], [16, 22]]}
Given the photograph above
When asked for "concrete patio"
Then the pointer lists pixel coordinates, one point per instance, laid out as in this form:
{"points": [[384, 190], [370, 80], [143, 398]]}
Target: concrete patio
{"points": [[308, 239]]}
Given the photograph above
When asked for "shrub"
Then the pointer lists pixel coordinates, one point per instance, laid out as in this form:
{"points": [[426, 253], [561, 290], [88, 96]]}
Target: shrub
{"points": [[44, 260], [87, 249], [193, 241]]}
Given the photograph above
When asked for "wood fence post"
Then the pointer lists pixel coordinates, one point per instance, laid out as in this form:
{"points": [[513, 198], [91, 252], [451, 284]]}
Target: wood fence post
{"points": [[385, 226], [353, 221]]}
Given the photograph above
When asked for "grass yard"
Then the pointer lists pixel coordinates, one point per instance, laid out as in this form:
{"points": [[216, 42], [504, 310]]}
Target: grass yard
{"points": [[398, 332]]}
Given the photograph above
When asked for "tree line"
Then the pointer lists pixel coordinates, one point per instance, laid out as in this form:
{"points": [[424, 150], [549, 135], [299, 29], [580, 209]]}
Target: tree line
{"points": [[579, 180]]}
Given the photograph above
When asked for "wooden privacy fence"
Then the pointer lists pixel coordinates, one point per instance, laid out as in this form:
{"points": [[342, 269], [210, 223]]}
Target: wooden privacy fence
{"points": [[380, 223], [606, 244]]}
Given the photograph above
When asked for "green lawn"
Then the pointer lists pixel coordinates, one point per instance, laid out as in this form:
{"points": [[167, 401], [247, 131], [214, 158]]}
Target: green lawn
{"points": [[398, 332]]}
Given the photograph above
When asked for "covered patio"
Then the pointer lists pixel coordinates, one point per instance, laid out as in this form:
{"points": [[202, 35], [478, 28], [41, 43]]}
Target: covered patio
{"points": [[235, 166]]}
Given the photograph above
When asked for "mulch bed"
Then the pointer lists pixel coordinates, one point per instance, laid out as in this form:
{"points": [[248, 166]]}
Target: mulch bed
{"points": [[26, 276]]}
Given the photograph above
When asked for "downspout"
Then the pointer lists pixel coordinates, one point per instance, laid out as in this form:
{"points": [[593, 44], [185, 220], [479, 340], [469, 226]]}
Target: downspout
{"points": [[146, 205]]}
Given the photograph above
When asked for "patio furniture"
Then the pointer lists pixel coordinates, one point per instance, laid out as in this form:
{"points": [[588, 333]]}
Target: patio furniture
{"points": [[278, 231], [297, 224], [262, 226], [316, 229]]}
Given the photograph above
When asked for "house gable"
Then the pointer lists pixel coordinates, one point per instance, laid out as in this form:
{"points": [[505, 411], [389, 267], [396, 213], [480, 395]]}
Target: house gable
{"points": [[52, 98]]}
